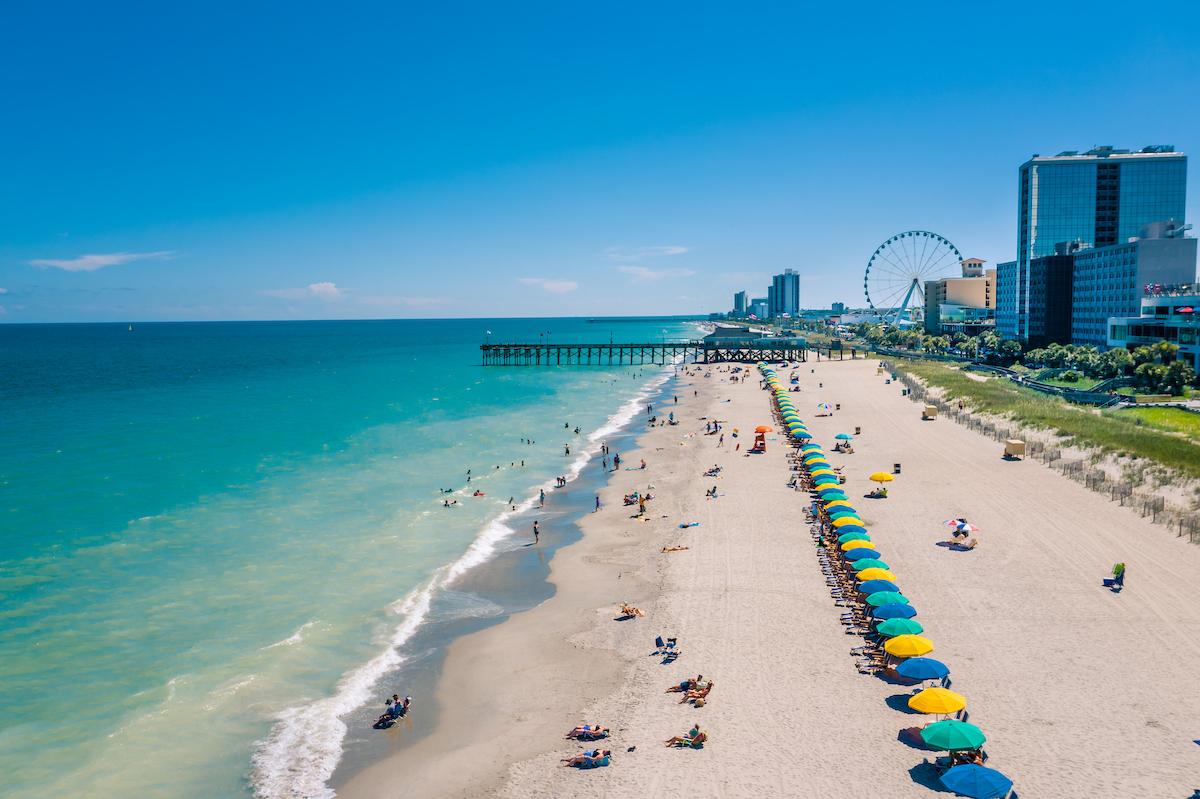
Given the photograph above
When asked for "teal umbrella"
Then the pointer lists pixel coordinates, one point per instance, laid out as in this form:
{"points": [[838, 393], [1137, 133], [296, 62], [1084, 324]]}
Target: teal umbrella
{"points": [[843, 436], [870, 563], [893, 627], [881, 598], [951, 734], [844, 537]]}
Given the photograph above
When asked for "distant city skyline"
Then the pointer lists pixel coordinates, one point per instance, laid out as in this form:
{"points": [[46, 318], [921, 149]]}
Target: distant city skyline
{"points": [[561, 161]]}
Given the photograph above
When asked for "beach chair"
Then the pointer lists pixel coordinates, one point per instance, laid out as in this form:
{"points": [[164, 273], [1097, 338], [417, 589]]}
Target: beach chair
{"points": [[666, 649]]}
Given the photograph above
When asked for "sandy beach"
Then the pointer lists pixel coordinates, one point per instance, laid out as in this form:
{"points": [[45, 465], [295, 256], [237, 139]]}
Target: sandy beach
{"points": [[1081, 692]]}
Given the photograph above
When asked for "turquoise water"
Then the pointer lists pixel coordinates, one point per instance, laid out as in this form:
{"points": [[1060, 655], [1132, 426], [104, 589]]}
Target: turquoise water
{"points": [[214, 538]]}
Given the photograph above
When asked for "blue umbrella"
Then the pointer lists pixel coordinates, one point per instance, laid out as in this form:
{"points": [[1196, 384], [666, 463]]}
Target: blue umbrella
{"points": [[922, 669], [894, 612], [863, 552], [978, 782], [871, 586], [851, 528]]}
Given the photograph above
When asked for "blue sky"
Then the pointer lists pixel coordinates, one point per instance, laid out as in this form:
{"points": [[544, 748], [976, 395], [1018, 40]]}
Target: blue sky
{"points": [[301, 160]]}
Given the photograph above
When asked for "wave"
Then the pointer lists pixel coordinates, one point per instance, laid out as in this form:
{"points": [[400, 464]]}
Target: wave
{"points": [[294, 638], [303, 748]]}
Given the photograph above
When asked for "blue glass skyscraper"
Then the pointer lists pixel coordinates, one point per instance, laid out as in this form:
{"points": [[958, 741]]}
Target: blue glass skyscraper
{"points": [[1097, 198]]}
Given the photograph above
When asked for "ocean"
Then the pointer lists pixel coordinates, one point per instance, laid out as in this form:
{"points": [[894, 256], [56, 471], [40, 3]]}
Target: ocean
{"points": [[219, 542]]}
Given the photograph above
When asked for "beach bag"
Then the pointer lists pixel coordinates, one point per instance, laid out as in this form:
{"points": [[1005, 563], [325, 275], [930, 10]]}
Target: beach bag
{"points": [[700, 702]]}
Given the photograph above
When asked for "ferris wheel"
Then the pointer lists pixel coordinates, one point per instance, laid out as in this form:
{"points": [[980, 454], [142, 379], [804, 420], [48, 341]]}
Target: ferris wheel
{"points": [[895, 278]]}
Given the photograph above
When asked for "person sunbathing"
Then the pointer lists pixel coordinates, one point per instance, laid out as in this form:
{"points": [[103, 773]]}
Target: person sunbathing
{"points": [[687, 685], [588, 731], [589, 758], [691, 738], [701, 691], [674, 549], [630, 610]]}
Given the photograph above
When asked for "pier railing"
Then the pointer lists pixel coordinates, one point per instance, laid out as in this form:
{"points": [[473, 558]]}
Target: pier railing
{"points": [[614, 354]]}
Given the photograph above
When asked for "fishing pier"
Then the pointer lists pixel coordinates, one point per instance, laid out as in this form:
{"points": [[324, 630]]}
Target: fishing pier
{"points": [[706, 350]]}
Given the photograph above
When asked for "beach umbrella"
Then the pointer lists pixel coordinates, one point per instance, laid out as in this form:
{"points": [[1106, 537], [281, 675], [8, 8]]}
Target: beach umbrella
{"points": [[843, 513], [844, 537], [871, 586], [882, 477], [843, 436], [832, 492], [826, 480], [852, 528], [817, 472], [922, 668], [804, 434], [837, 496], [894, 628], [814, 456], [894, 612], [762, 428], [871, 563], [937, 700], [952, 734], [842, 522], [978, 782], [810, 447], [881, 598], [858, 553], [849, 545], [838, 503], [908, 646], [819, 464]]}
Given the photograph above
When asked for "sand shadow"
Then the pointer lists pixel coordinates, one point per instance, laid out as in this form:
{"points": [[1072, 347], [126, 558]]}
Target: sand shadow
{"points": [[625, 617], [954, 546], [899, 703], [911, 737], [924, 774], [891, 678]]}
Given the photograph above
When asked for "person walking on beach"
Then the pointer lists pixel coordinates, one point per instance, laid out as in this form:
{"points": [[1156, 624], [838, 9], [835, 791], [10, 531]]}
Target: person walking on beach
{"points": [[721, 440], [617, 462], [536, 532], [541, 497], [597, 504]]}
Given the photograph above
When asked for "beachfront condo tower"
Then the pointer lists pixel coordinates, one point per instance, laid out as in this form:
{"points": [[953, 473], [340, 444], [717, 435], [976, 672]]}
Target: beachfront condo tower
{"points": [[784, 293], [739, 304], [1094, 199]]}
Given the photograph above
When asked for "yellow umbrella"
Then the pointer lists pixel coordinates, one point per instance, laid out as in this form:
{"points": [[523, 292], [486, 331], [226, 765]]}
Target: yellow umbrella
{"points": [[849, 545], [816, 472], [937, 700], [909, 646], [882, 477], [873, 573], [842, 522], [838, 502]]}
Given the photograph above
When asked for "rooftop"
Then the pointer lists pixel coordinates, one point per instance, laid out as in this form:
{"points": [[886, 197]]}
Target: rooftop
{"points": [[1108, 151]]}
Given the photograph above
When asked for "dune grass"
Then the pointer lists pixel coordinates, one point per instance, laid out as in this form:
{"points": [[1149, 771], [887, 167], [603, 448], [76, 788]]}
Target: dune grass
{"points": [[1108, 432], [1171, 419]]}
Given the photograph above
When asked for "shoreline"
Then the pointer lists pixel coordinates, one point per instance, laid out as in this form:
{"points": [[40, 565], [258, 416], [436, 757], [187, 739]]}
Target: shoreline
{"points": [[514, 580], [479, 735]]}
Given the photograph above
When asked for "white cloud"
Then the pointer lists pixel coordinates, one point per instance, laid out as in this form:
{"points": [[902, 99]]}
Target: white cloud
{"points": [[637, 253], [90, 263], [641, 273], [550, 285], [326, 291]]}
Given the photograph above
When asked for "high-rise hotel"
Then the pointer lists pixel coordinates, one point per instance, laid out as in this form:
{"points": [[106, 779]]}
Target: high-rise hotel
{"points": [[1073, 202]]}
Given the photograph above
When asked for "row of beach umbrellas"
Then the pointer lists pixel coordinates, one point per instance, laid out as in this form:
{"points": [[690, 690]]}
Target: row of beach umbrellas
{"points": [[893, 613]]}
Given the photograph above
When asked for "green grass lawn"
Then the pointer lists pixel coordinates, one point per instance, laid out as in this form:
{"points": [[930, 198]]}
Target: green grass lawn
{"points": [[1082, 384], [1111, 432], [1172, 419]]}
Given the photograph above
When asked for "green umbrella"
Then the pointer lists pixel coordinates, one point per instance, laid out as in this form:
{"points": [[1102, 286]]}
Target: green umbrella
{"points": [[844, 537], [893, 627], [951, 734], [870, 563], [884, 597]]}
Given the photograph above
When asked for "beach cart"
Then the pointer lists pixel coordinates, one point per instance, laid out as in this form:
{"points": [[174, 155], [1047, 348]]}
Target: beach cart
{"points": [[1014, 449], [929, 412]]}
